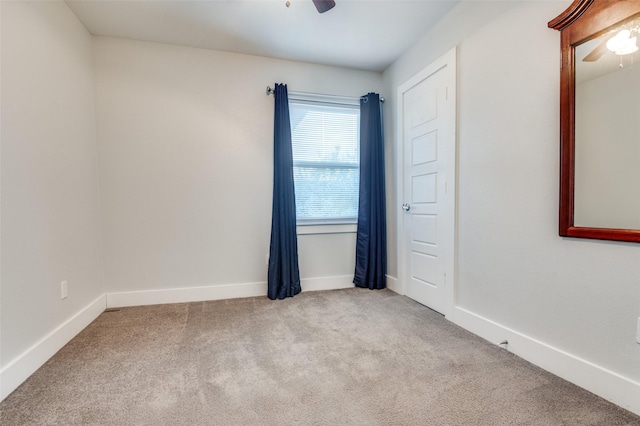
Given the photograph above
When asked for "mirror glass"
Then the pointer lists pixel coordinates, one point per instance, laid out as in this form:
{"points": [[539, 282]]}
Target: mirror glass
{"points": [[607, 129]]}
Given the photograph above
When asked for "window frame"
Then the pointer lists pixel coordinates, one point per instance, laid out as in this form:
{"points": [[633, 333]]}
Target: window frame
{"points": [[336, 225]]}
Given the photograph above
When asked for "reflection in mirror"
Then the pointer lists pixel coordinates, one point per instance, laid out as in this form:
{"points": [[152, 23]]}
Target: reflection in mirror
{"points": [[607, 129]]}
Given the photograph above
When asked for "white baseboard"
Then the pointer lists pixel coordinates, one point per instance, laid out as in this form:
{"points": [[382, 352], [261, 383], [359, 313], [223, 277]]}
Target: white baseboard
{"points": [[327, 283], [185, 294], [393, 284], [216, 292], [19, 370], [339, 282], [596, 379]]}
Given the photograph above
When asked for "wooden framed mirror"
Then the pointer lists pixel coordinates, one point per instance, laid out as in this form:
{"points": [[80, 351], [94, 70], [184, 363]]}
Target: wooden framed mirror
{"points": [[600, 120]]}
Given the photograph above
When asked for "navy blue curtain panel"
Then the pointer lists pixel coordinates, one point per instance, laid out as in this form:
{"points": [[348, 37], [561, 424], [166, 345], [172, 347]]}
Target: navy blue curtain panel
{"points": [[284, 275], [371, 241]]}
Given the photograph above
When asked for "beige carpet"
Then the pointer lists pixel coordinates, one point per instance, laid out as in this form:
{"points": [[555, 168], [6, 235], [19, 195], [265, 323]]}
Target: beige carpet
{"points": [[346, 357]]}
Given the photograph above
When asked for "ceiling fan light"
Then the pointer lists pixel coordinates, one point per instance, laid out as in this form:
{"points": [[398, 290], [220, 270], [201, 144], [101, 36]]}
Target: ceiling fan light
{"points": [[630, 47], [619, 42]]}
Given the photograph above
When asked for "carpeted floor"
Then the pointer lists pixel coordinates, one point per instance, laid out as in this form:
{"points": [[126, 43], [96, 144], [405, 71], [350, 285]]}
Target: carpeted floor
{"points": [[345, 357]]}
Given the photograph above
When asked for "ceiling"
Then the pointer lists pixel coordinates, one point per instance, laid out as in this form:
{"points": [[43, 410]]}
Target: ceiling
{"points": [[360, 34]]}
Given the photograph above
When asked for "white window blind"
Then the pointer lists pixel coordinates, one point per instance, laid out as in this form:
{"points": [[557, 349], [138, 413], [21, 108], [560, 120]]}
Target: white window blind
{"points": [[326, 156]]}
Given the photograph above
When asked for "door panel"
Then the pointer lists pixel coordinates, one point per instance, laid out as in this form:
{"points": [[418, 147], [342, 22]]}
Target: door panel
{"points": [[424, 189], [424, 149], [425, 228]]}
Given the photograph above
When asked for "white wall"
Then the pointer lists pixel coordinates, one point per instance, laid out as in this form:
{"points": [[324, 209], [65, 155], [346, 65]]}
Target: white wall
{"points": [[185, 141], [569, 296], [50, 204], [446, 34]]}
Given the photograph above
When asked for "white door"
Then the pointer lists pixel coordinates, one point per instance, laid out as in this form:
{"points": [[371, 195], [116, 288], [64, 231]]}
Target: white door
{"points": [[427, 116]]}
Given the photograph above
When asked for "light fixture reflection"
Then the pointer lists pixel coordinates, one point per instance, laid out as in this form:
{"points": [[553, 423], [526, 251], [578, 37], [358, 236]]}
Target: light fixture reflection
{"points": [[622, 43]]}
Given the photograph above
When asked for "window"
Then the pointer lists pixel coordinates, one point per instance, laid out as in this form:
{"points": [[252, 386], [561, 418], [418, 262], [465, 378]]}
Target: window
{"points": [[326, 156]]}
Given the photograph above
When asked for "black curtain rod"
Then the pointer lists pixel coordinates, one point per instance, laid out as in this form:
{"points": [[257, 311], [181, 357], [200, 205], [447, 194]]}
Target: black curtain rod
{"points": [[270, 91]]}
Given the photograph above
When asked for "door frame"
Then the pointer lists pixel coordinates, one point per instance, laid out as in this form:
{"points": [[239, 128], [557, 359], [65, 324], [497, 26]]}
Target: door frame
{"points": [[448, 61]]}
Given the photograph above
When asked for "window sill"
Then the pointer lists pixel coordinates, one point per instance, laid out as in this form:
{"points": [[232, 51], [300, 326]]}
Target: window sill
{"points": [[346, 228]]}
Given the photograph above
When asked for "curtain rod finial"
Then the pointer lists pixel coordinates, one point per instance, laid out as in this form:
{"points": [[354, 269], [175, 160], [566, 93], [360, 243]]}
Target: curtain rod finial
{"points": [[270, 90]]}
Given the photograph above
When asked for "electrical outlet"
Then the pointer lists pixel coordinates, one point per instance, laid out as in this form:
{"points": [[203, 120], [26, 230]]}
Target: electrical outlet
{"points": [[63, 290]]}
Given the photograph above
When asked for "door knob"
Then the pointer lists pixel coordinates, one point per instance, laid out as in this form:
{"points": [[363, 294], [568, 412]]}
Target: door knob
{"points": [[406, 207]]}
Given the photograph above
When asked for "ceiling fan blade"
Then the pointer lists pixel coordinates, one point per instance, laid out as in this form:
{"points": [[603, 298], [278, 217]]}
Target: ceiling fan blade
{"points": [[597, 52], [324, 5]]}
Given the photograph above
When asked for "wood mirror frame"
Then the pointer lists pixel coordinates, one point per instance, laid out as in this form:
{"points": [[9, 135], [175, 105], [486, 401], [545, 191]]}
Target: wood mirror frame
{"points": [[583, 20]]}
